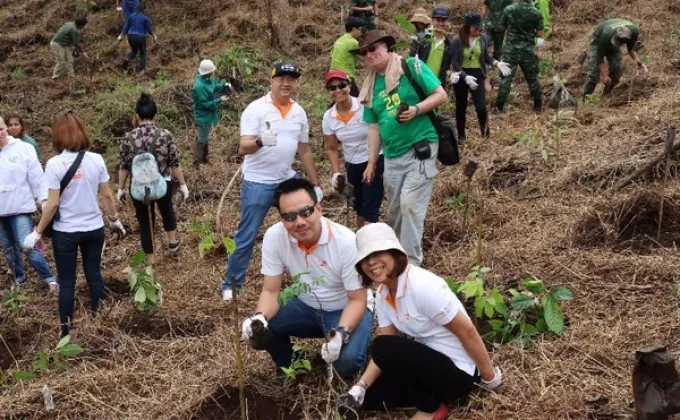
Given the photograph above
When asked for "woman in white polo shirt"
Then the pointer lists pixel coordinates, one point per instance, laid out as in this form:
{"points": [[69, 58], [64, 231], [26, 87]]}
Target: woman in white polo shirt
{"points": [[80, 223], [428, 352], [22, 184], [342, 124]]}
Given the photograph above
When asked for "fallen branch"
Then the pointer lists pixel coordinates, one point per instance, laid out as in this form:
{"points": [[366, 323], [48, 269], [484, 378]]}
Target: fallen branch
{"points": [[667, 151], [224, 195]]}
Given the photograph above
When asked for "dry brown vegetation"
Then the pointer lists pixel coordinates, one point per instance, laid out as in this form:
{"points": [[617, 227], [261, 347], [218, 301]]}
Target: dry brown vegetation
{"points": [[559, 220]]}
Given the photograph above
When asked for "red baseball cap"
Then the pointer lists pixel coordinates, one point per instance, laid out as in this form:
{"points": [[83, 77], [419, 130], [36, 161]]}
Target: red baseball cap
{"points": [[335, 74]]}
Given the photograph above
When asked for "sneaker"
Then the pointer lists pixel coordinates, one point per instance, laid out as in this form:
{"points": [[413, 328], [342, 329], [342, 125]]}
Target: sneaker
{"points": [[54, 287], [20, 280], [173, 246], [227, 295], [442, 413]]}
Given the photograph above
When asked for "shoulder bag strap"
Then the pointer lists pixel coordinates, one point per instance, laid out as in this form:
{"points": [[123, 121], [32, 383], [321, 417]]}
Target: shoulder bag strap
{"points": [[419, 92], [71, 171]]}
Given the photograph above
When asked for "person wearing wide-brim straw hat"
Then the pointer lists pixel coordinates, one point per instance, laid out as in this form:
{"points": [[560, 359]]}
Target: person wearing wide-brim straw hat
{"points": [[427, 352], [421, 37], [398, 122]]}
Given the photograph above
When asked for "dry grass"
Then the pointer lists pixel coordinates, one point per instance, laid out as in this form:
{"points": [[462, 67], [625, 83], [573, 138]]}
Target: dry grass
{"points": [[560, 221]]}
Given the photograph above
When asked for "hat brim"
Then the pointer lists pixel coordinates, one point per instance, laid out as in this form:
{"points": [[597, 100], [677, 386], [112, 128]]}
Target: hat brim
{"points": [[287, 73], [387, 39], [204, 73], [378, 245], [421, 19]]}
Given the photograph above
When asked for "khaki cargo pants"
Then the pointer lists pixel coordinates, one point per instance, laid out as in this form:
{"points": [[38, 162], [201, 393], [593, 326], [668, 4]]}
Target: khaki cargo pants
{"points": [[63, 58]]}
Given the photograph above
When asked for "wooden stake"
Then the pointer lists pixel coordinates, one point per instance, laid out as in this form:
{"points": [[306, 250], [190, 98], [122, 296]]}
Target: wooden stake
{"points": [[480, 232], [239, 357], [670, 139]]}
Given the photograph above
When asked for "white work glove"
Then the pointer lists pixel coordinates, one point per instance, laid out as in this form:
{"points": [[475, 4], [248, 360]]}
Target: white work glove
{"points": [[224, 98], [247, 327], [334, 180], [540, 42], [455, 77], [121, 195], [358, 392], [330, 351], [118, 225], [643, 66], [495, 382], [319, 194], [504, 68], [185, 191], [268, 136], [472, 82], [120, 37], [31, 240]]}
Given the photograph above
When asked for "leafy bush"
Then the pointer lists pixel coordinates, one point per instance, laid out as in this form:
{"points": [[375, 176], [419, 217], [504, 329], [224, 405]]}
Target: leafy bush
{"points": [[147, 293]]}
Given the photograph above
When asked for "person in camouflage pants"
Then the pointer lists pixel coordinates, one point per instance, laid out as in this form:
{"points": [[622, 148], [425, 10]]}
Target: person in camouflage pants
{"points": [[608, 37], [524, 25], [366, 11], [492, 12]]}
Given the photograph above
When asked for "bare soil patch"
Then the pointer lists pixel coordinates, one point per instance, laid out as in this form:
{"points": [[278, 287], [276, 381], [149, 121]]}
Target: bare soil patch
{"points": [[158, 327], [224, 404]]}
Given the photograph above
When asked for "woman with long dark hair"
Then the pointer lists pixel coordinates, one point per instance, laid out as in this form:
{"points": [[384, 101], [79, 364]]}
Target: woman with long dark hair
{"points": [[470, 58]]}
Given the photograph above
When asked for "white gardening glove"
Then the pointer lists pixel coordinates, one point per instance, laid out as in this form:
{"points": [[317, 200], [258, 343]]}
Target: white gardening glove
{"points": [[643, 66], [120, 37], [504, 68], [118, 225], [455, 77], [247, 327], [330, 351], [495, 382], [31, 240], [268, 136], [472, 82], [185, 191], [121, 195], [319, 194], [334, 180], [540, 42], [358, 392]]}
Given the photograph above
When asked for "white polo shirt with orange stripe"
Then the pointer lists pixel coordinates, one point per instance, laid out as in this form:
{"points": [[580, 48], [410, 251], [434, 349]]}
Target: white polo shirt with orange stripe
{"points": [[424, 304], [272, 165], [350, 130], [327, 267]]}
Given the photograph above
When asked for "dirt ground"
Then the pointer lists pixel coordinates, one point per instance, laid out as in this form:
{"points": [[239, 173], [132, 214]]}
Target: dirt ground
{"points": [[562, 219]]}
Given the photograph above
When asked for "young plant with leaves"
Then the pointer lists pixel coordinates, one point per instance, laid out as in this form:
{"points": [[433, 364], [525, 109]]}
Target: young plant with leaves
{"points": [[13, 300], [486, 302], [147, 293], [50, 360], [300, 365], [208, 240]]}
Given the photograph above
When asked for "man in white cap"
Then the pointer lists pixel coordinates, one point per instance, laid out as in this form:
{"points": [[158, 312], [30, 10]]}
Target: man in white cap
{"points": [[205, 91]]}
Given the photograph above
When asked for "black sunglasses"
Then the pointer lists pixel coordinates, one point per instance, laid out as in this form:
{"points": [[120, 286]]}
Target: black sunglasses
{"points": [[293, 215], [370, 49], [340, 85]]}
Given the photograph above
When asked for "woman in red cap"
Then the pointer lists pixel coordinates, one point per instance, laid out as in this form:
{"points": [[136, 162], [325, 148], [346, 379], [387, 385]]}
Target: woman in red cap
{"points": [[342, 123]]}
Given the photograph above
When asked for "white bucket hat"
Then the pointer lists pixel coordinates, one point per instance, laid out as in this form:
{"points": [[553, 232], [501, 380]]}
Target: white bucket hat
{"points": [[206, 67], [376, 237]]}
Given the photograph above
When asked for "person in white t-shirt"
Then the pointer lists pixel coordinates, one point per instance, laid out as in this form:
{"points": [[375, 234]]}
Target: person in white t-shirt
{"points": [[80, 223], [342, 124], [22, 185], [427, 351], [319, 255], [274, 129]]}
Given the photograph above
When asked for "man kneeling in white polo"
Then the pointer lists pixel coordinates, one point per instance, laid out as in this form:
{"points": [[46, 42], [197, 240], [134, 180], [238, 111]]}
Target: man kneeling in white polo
{"points": [[322, 254]]}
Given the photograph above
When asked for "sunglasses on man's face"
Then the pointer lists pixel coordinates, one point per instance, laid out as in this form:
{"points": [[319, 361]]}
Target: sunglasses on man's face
{"points": [[293, 215], [340, 86], [370, 49]]}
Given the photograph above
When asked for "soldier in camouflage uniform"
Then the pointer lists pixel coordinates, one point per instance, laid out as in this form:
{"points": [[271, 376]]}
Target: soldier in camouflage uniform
{"points": [[366, 11], [492, 12], [608, 37], [524, 25]]}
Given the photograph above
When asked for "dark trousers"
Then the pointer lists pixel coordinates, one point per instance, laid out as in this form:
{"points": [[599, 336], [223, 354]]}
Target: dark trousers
{"points": [[461, 90], [66, 246], [367, 197], [138, 45], [413, 375], [496, 38], [167, 214]]}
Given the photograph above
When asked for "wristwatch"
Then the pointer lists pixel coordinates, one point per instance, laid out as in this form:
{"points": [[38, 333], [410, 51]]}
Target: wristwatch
{"points": [[345, 334], [259, 144]]}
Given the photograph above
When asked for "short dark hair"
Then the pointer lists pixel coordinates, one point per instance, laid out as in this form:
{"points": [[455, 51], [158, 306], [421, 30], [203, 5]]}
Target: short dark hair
{"points": [[291, 185], [353, 22], [81, 21], [401, 262], [146, 107], [15, 116]]}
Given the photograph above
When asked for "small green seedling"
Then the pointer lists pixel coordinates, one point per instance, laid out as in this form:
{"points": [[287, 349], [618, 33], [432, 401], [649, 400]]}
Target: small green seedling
{"points": [[297, 288], [208, 241], [147, 293], [50, 360], [486, 302], [12, 300], [300, 365], [18, 74]]}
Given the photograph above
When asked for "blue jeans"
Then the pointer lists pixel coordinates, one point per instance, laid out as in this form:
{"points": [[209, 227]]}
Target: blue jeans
{"points": [[13, 231], [66, 246], [256, 199], [300, 320]]}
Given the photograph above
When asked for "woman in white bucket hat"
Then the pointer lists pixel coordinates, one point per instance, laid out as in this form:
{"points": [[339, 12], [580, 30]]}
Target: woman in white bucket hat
{"points": [[427, 351]]}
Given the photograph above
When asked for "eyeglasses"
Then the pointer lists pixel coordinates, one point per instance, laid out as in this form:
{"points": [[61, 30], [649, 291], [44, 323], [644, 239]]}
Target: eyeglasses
{"points": [[293, 215], [370, 49], [341, 85]]}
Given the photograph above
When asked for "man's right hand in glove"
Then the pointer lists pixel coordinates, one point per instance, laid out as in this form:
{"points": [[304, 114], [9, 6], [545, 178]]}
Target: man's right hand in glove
{"points": [[121, 195], [471, 82], [247, 327], [455, 77], [334, 180]]}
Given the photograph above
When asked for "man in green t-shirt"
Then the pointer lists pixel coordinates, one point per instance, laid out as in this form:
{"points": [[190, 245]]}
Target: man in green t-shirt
{"points": [[341, 56], [399, 124], [366, 10], [67, 39], [608, 37]]}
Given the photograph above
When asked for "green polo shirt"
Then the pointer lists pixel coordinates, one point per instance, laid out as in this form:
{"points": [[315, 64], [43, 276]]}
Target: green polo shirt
{"points": [[32, 142], [342, 58], [434, 60], [68, 35], [398, 138], [471, 56]]}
